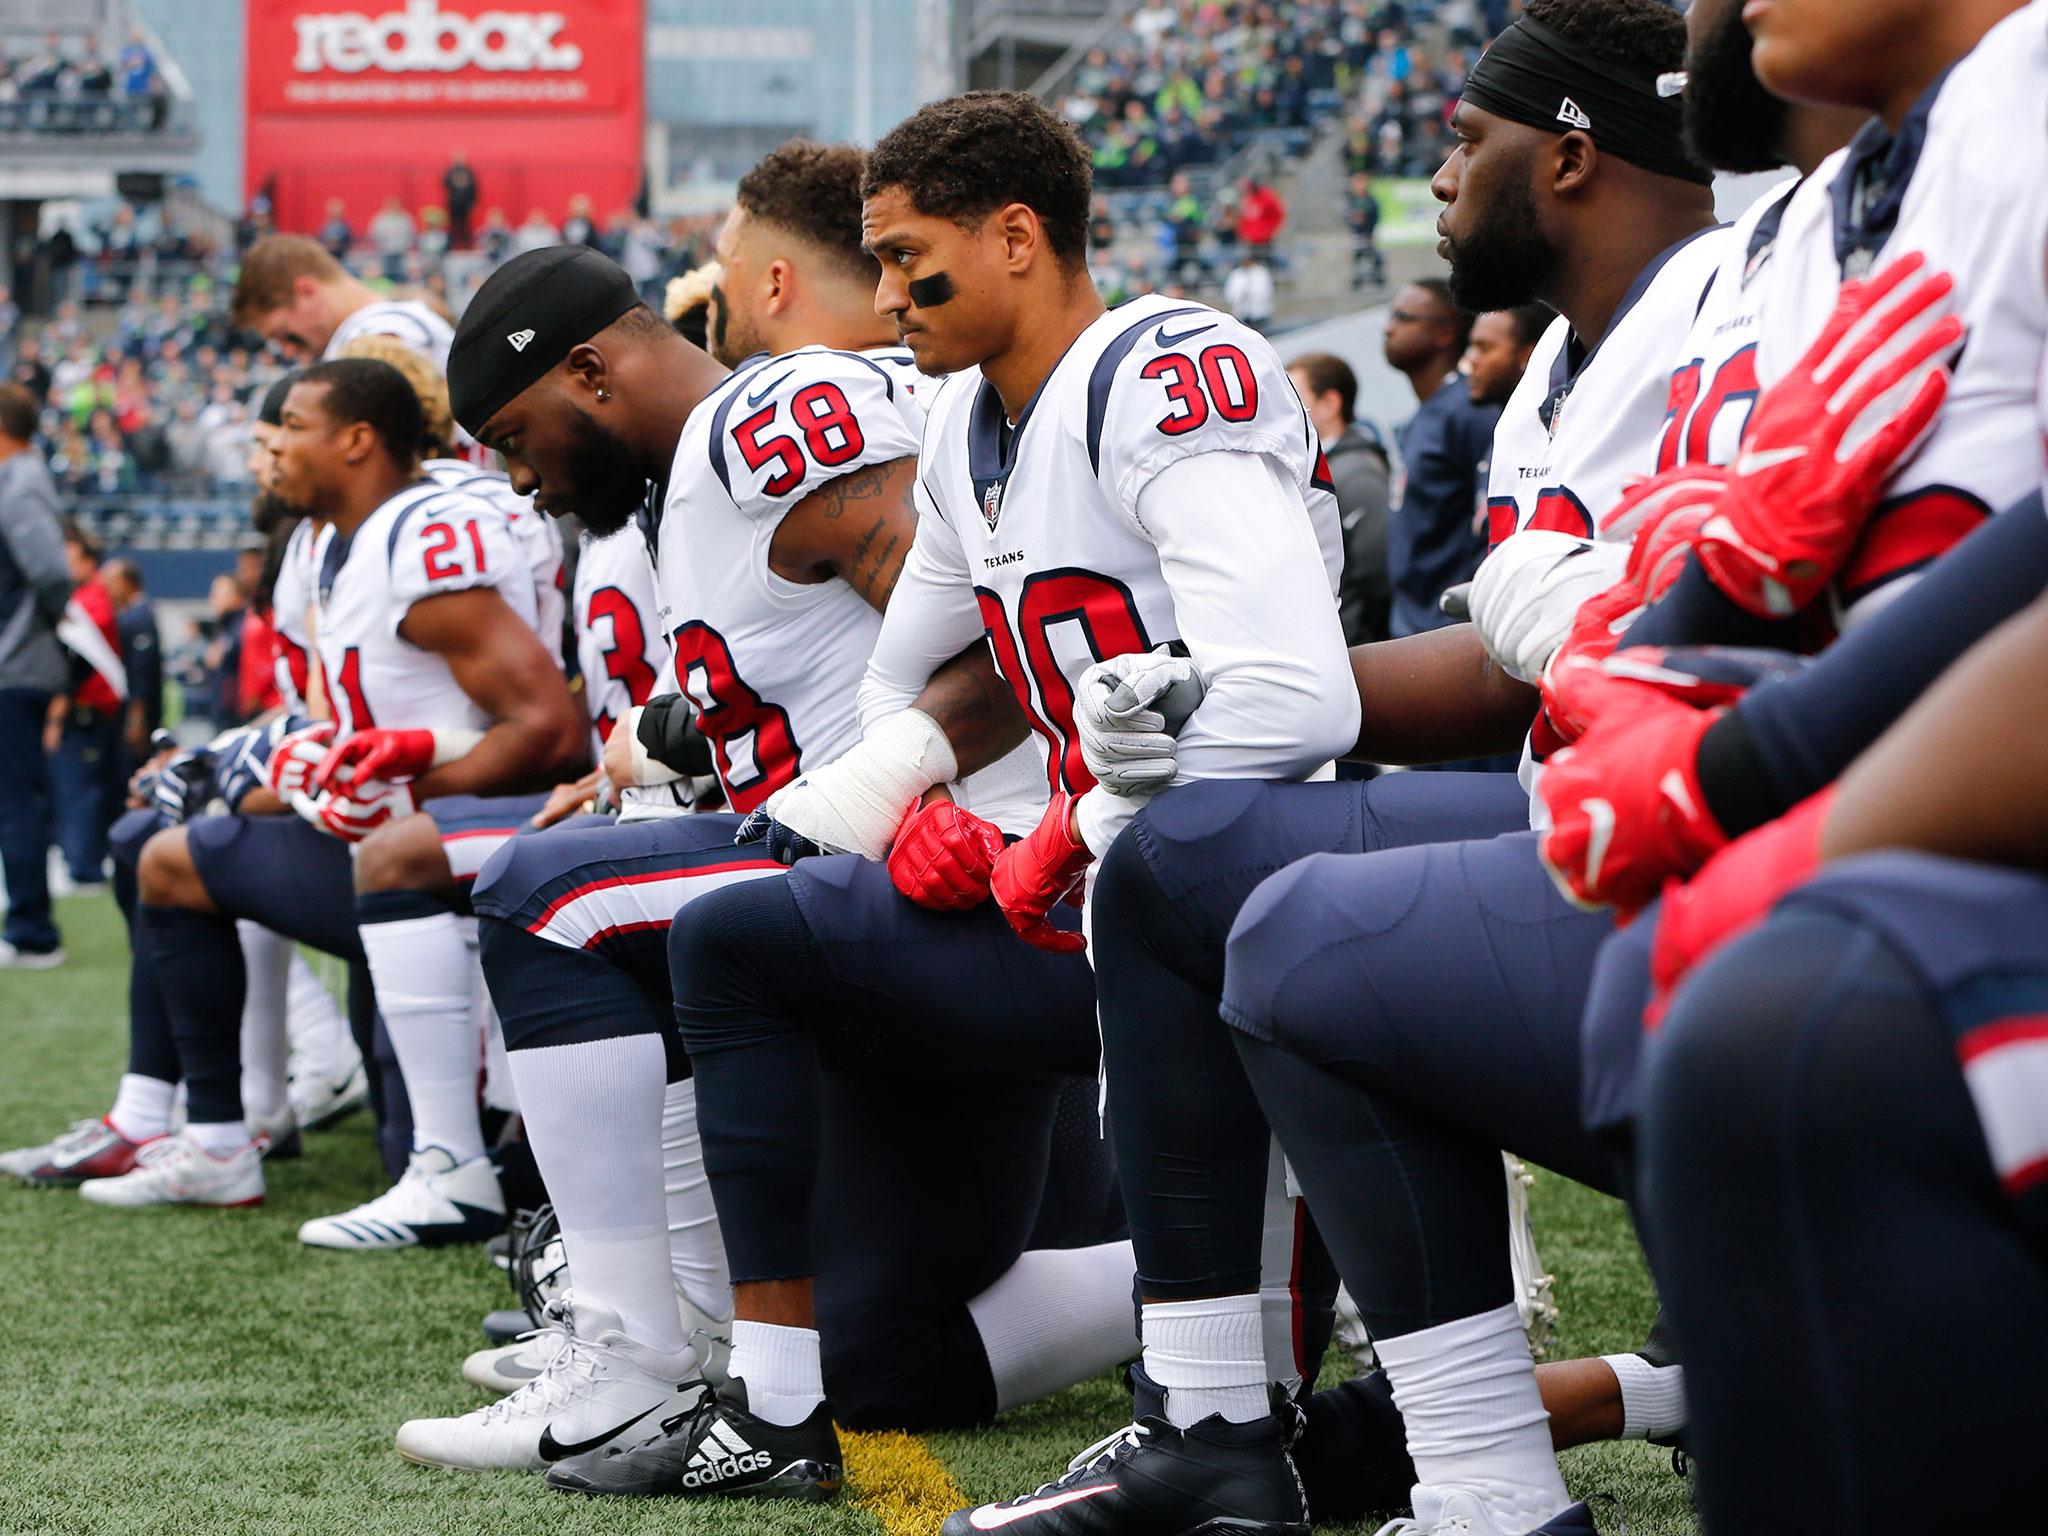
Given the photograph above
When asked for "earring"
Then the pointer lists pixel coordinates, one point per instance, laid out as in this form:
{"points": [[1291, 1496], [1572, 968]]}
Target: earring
{"points": [[603, 395]]}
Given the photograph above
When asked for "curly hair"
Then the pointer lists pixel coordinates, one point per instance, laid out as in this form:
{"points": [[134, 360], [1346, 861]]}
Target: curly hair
{"points": [[421, 374], [1642, 34], [967, 156], [813, 191]]}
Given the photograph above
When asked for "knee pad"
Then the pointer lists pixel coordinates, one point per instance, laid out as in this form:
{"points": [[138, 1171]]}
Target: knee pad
{"points": [[740, 946]]}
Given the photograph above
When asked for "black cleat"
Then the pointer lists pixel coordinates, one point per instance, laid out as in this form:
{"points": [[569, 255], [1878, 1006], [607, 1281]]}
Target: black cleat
{"points": [[718, 1448], [1151, 1479]]}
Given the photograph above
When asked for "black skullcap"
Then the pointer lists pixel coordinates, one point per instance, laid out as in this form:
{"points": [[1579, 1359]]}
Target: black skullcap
{"points": [[525, 319], [271, 412], [1530, 75]]}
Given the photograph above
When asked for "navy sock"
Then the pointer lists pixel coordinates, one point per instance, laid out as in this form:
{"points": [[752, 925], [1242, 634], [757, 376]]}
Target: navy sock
{"points": [[204, 984]]}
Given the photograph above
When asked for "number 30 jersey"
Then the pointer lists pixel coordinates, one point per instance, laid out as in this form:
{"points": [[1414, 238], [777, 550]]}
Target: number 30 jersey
{"points": [[1164, 484], [773, 665], [423, 542], [620, 649]]}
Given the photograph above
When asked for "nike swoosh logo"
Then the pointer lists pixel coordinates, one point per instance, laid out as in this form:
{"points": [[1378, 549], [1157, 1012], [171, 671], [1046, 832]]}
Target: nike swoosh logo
{"points": [[1165, 340], [756, 396], [1599, 834], [552, 1449], [993, 1517], [1673, 788], [1754, 461]]}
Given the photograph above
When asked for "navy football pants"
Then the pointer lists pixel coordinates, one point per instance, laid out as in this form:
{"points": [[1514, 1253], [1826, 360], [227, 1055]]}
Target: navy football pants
{"points": [[1844, 1165]]}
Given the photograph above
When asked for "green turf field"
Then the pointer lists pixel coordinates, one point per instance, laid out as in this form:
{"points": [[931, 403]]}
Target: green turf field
{"points": [[199, 1372]]}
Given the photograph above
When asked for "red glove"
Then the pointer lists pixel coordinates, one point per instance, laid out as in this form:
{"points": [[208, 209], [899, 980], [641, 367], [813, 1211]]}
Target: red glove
{"points": [[943, 856], [1731, 894], [295, 758], [1030, 878], [376, 754], [1800, 494], [1626, 812], [1666, 512]]}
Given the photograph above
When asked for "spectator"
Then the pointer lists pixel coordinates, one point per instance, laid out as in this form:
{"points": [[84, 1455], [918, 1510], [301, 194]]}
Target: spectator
{"points": [[138, 66], [1248, 291], [335, 233], [83, 733], [1437, 527], [35, 586], [1358, 467], [227, 603], [391, 232], [495, 238], [434, 237], [141, 654], [90, 75], [1362, 214], [1497, 355], [579, 228], [1260, 214], [458, 195], [536, 233], [256, 671]]}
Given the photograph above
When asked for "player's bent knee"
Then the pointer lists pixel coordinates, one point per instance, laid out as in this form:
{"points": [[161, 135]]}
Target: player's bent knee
{"points": [[165, 875], [724, 951], [406, 855], [1279, 930], [132, 831], [900, 1367]]}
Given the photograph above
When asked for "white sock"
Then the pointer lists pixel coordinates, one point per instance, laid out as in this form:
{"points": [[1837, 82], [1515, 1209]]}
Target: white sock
{"points": [[424, 978], [498, 1090], [1652, 1396], [695, 1248], [784, 1376], [267, 958], [593, 1118], [219, 1137], [1057, 1316], [1209, 1356], [1467, 1392], [322, 1046], [142, 1106]]}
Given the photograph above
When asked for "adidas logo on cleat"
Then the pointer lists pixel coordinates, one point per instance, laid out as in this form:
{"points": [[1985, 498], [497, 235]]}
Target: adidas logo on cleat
{"points": [[722, 1457]]}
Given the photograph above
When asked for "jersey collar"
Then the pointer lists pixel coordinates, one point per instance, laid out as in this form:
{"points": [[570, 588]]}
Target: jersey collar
{"points": [[1870, 189], [1573, 359]]}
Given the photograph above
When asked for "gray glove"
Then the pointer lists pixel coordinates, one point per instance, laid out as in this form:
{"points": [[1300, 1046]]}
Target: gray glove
{"points": [[1127, 711]]}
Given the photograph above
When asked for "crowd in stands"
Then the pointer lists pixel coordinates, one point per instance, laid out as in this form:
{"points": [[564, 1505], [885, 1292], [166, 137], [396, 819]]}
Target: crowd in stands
{"points": [[63, 88]]}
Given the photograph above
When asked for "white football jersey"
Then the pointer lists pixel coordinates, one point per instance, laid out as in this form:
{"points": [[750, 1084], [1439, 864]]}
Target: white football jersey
{"points": [[1581, 426], [1979, 214], [771, 665], [290, 597], [412, 322], [423, 542], [539, 540], [1041, 526], [1714, 387], [620, 649]]}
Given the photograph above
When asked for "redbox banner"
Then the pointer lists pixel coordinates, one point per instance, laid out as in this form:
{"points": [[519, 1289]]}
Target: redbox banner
{"points": [[545, 97]]}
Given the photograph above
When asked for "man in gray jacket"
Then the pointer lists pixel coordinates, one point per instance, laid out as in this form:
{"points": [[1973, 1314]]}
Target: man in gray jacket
{"points": [[1358, 466], [34, 587]]}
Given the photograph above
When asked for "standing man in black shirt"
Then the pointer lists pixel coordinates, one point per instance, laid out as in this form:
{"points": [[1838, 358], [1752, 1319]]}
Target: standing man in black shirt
{"points": [[1436, 534]]}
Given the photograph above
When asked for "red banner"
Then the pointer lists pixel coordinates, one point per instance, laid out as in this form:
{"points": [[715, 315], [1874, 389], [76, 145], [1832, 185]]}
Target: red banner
{"points": [[545, 102]]}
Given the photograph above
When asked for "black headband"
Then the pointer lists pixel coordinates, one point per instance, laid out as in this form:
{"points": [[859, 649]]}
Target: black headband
{"points": [[1532, 76], [525, 319]]}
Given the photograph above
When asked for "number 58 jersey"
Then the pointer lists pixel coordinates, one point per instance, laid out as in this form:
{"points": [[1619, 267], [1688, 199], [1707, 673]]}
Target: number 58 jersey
{"points": [[773, 665], [422, 543], [1047, 521]]}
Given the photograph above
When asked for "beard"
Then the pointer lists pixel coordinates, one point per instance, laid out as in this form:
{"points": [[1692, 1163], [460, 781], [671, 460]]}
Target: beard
{"points": [[1505, 261], [732, 343], [605, 489], [1731, 122], [269, 511]]}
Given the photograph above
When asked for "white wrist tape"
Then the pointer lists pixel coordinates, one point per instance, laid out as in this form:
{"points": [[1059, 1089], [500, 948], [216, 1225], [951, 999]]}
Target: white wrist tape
{"points": [[451, 744], [646, 769], [856, 803]]}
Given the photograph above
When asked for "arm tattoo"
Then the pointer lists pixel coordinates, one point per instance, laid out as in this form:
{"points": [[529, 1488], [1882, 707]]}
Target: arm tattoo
{"points": [[861, 485]]}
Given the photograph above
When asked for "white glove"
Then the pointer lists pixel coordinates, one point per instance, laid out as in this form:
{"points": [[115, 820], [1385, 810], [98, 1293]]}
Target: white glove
{"points": [[1127, 711], [354, 811], [855, 803], [1529, 590]]}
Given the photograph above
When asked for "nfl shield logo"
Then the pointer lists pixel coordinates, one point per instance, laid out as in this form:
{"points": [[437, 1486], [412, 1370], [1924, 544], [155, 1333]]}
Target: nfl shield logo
{"points": [[992, 504]]}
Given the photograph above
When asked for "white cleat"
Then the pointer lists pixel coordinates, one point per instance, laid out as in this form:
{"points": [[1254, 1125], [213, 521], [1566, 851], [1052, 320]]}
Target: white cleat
{"points": [[437, 1201], [176, 1170], [12, 959], [508, 1367], [317, 1102], [1458, 1512], [596, 1385]]}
